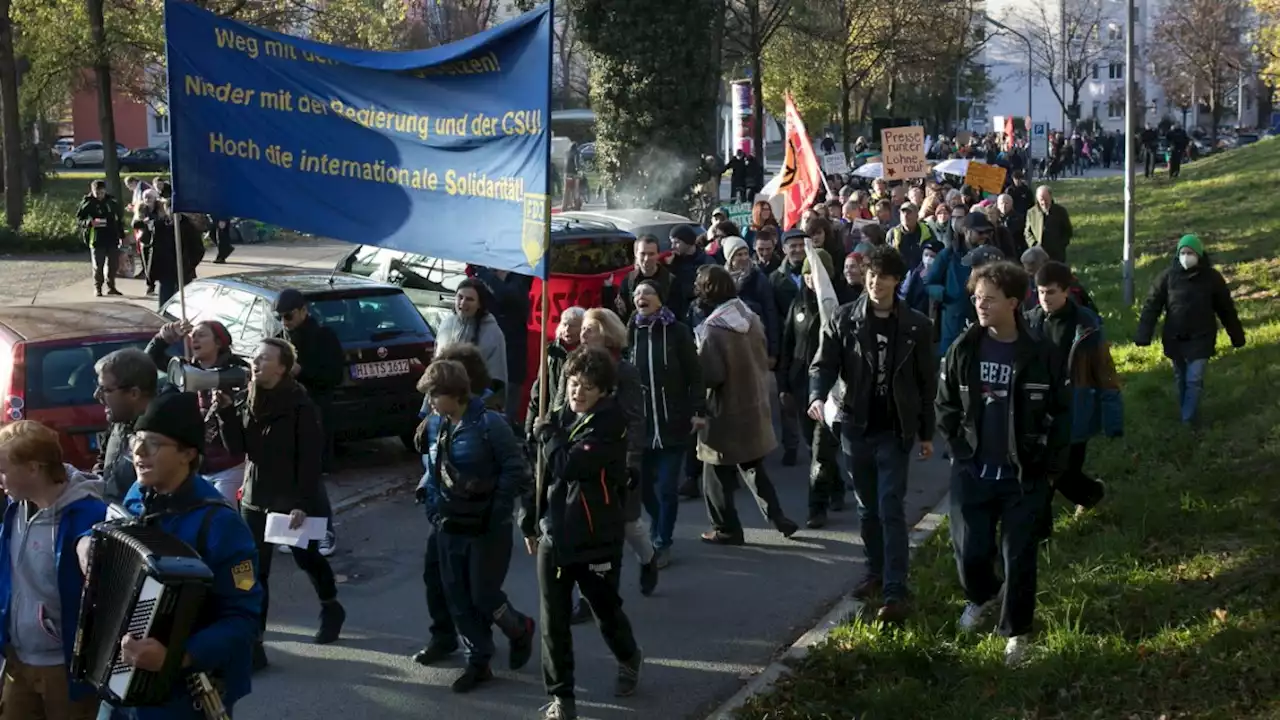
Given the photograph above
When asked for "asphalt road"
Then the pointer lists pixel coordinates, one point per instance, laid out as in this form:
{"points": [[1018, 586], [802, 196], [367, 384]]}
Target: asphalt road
{"points": [[719, 615]]}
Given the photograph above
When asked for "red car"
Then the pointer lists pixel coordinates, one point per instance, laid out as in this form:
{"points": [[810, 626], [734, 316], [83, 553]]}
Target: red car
{"points": [[47, 354]]}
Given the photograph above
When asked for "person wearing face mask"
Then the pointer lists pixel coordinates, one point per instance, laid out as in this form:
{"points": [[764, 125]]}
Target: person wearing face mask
{"points": [[912, 291], [576, 527], [662, 350], [1193, 297], [278, 429], [754, 289], [799, 346], [210, 350], [472, 322]]}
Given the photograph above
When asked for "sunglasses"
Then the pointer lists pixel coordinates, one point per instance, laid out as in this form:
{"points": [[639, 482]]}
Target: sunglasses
{"points": [[285, 315]]}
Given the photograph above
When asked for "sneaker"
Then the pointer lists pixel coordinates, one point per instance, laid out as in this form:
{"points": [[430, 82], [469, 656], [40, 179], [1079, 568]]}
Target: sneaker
{"points": [[973, 616], [662, 558], [868, 589], [1017, 650], [332, 616], [151, 290], [434, 652], [471, 678], [560, 709], [581, 613], [521, 648], [816, 520], [285, 549], [628, 676], [789, 458], [649, 576], [894, 611], [329, 544], [97, 292], [787, 527], [114, 292]]}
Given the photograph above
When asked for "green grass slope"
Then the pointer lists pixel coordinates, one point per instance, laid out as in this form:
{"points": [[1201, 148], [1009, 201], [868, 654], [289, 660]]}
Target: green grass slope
{"points": [[1163, 602]]}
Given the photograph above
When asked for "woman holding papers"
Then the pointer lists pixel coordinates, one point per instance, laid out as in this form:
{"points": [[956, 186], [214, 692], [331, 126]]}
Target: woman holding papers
{"points": [[278, 429]]}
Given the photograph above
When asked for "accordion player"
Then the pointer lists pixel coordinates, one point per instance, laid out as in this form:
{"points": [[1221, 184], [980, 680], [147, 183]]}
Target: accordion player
{"points": [[182, 525]]}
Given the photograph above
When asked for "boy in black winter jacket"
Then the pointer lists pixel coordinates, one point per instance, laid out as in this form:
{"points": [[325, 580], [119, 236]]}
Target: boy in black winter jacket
{"points": [[576, 527]]}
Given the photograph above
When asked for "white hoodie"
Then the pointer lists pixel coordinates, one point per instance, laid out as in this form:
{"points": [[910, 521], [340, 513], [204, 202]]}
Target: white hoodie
{"points": [[35, 604]]}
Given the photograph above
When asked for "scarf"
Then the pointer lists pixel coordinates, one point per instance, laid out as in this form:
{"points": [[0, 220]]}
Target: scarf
{"points": [[733, 315], [664, 316]]}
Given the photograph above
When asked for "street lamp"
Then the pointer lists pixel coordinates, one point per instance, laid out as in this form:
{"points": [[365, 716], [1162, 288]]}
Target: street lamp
{"points": [[1030, 60]]}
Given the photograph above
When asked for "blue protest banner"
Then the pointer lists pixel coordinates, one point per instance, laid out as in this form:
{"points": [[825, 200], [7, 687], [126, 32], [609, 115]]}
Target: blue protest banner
{"points": [[441, 152]]}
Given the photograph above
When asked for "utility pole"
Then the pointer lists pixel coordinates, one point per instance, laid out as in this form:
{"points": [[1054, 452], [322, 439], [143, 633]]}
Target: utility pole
{"points": [[1131, 125], [1063, 72]]}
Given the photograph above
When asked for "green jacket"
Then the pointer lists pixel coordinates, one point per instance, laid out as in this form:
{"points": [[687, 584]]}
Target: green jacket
{"points": [[1051, 230], [91, 208]]}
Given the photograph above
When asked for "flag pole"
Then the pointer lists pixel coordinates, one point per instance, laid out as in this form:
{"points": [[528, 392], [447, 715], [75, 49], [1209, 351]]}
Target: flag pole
{"points": [[544, 301], [173, 215]]}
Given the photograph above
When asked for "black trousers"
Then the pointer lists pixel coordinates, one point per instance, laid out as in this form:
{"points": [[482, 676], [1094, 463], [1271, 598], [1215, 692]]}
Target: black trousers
{"points": [[980, 508], [1149, 163], [719, 484], [825, 481], [104, 259], [308, 558], [324, 404], [1175, 163], [599, 588]]}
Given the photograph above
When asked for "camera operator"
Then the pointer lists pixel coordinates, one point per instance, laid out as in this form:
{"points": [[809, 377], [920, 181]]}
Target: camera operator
{"points": [[210, 350]]}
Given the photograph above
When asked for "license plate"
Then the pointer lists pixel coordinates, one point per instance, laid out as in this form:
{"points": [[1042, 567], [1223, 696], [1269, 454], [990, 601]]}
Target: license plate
{"points": [[381, 369]]}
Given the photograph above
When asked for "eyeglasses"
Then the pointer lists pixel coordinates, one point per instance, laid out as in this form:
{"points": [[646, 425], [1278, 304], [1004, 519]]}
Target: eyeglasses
{"points": [[147, 446], [984, 301], [103, 390], [285, 315]]}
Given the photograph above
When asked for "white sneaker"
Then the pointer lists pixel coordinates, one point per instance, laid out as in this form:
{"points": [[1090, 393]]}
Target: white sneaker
{"points": [[974, 616], [329, 544], [1017, 650], [285, 549]]}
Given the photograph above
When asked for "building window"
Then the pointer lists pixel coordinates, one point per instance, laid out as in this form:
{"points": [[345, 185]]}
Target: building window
{"points": [[161, 123], [1095, 71], [1114, 32], [1097, 106], [1115, 109], [1115, 71]]}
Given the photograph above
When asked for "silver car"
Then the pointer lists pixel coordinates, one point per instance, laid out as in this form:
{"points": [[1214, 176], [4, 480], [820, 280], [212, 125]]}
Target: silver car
{"points": [[88, 154]]}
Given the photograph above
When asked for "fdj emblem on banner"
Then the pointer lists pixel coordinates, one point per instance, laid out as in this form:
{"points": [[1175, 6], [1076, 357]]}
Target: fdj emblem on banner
{"points": [[441, 152]]}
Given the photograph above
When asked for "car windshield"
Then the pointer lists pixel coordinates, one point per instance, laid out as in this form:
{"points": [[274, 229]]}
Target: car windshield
{"points": [[369, 318], [64, 376]]}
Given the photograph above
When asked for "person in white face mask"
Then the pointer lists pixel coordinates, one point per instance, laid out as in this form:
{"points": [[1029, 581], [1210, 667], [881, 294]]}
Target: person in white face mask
{"points": [[1193, 297], [912, 290]]}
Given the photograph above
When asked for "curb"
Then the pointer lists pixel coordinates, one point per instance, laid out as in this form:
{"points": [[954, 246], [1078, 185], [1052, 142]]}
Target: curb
{"points": [[373, 492], [844, 610]]}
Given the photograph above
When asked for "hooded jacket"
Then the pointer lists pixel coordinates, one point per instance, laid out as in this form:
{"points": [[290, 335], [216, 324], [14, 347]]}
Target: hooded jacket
{"points": [[40, 578], [583, 501], [735, 369], [666, 359]]}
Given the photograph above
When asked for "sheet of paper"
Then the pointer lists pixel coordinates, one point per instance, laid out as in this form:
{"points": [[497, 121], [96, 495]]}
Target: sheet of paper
{"points": [[278, 531]]}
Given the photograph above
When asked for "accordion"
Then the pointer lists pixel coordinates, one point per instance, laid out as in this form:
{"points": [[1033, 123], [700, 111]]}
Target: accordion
{"points": [[147, 583]]}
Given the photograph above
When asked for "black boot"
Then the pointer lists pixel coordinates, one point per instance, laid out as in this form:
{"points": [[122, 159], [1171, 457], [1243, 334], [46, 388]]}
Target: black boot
{"points": [[435, 651], [518, 629], [332, 616], [471, 678]]}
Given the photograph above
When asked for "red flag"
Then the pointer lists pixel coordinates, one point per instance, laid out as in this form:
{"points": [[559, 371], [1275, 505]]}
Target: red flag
{"points": [[801, 174]]}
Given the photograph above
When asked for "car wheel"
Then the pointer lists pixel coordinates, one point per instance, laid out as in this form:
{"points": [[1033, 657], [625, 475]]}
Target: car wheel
{"points": [[68, 163]]}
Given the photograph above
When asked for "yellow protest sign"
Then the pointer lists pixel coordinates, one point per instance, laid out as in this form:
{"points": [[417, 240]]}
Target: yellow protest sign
{"points": [[987, 178], [902, 152]]}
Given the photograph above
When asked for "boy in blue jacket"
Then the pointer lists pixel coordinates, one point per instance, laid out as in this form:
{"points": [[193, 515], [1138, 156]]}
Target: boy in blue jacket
{"points": [[53, 506], [166, 446]]}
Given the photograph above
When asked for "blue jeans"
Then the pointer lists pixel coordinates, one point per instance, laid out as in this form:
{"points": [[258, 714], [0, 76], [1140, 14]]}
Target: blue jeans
{"points": [[879, 466], [661, 471], [1189, 376], [472, 571]]}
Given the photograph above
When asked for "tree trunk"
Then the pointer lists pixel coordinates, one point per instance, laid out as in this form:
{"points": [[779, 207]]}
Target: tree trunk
{"points": [[713, 78], [757, 109], [106, 109], [846, 110], [10, 123]]}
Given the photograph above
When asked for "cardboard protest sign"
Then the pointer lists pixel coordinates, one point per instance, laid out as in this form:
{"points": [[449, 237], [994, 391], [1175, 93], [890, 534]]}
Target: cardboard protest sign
{"points": [[987, 178], [902, 152]]}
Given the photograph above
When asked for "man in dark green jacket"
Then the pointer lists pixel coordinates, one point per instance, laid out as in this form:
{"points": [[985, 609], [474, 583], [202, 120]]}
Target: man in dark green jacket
{"points": [[1049, 225], [99, 218]]}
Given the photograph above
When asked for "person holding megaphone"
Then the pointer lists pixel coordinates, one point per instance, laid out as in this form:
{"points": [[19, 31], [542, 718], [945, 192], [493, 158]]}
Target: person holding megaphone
{"points": [[210, 367]]}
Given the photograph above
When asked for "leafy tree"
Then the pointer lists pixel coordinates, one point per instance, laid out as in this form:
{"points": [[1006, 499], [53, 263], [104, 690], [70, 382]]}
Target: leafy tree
{"points": [[649, 60], [809, 70], [750, 27], [1203, 42]]}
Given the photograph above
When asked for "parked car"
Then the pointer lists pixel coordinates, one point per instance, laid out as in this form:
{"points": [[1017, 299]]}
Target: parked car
{"points": [[89, 154], [578, 246], [386, 342], [637, 222], [145, 160], [62, 145], [47, 356]]}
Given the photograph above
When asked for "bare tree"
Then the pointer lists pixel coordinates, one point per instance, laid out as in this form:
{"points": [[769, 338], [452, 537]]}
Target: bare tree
{"points": [[1068, 40], [444, 21], [749, 26], [1204, 42]]}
